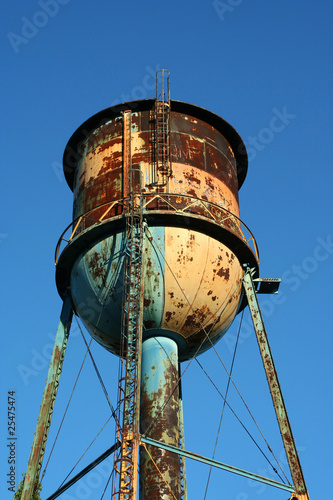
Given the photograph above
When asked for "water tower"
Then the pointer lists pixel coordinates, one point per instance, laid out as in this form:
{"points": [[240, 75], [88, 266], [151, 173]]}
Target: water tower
{"points": [[156, 263]]}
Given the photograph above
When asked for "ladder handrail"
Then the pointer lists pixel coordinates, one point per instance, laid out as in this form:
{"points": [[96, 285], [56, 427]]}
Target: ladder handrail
{"points": [[162, 167]]}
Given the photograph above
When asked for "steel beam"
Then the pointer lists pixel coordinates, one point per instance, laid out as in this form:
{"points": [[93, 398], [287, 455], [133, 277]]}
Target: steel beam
{"points": [[215, 463], [49, 395], [83, 472], [275, 389]]}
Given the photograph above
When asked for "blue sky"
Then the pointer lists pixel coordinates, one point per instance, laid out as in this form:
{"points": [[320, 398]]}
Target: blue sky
{"points": [[265, 67]]}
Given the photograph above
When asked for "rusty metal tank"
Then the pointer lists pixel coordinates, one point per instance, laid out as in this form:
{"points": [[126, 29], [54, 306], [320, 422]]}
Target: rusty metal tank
{"points": [[195, 244]]}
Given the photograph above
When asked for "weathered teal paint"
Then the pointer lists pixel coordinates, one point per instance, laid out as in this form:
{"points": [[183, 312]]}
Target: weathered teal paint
{"points": [[159, 469], [97, 281], [49, 395], [154, 283], [97, 288], [274, 386], [216, 463]]}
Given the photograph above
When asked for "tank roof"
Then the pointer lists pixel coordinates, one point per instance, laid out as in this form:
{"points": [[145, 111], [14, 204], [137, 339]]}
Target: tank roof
{"points": [[70, 157]]}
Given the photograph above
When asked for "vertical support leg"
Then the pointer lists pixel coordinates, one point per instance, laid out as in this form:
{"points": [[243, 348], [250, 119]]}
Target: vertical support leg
{"points": [[159, 469], [49, 395], [275, 389], [182, 444]]}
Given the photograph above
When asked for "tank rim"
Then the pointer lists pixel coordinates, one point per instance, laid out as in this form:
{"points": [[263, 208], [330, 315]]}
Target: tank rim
{"points": [[70, 157], [90, 236]]}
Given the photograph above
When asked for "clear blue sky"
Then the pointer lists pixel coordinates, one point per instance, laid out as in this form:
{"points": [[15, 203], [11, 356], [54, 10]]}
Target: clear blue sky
{"points": [[248, 62]]}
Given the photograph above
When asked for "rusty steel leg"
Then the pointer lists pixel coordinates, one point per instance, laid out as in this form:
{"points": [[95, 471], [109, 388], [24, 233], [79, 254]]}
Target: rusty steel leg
{"points": [[160, 477], [49, 395], [182, 444], [301, 492]]}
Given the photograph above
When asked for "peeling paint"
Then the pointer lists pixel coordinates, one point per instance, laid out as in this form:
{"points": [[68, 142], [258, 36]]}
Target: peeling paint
{"points": [[160, 407]]}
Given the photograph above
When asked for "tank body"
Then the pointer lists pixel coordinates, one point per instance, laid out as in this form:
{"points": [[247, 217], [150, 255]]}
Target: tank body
{"points": [[193, 245]]}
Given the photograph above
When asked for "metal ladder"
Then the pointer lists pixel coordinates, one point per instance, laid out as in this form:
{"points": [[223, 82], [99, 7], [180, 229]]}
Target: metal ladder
{"points": [[162, 168], [127, 434]]}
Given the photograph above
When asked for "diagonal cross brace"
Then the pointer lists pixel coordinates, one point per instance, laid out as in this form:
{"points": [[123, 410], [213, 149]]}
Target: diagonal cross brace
{"points": [[216, 463]]}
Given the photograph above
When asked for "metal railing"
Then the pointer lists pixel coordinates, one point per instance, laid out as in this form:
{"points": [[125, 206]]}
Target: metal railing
{"points": [[180, 204]]}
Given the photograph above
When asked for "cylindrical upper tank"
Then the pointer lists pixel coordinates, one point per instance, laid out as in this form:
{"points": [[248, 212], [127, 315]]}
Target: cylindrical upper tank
{"points": [[193, 242]]}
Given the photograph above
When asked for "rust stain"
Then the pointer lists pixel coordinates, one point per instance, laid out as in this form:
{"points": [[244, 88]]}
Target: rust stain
{"points": [[149, 324], [225, 273], [96, 267], [166, 429], [168, 316], [191, 192], [191, 177], [106, 145], [209, 182], [199, 316]]}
